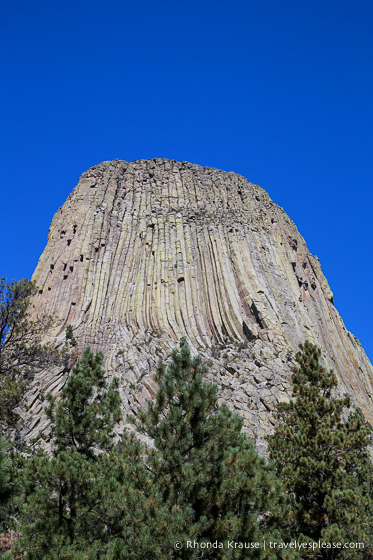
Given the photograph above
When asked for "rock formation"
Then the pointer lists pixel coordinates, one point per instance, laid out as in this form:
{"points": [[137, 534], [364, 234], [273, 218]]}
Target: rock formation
{"points": [[144, 253]]}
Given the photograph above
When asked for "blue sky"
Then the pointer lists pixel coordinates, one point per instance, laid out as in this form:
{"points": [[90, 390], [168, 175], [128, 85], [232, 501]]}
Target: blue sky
{"points": [[280, 92]]}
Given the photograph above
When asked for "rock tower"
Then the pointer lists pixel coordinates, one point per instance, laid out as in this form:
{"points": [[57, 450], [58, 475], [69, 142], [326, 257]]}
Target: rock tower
{"points": [[144, 253]]}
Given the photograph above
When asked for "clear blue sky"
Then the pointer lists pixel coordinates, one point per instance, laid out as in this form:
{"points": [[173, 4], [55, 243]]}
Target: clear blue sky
{"points": [[280, 92]]}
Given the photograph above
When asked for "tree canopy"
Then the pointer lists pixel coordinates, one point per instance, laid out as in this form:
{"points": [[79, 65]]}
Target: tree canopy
{"points": [[203, 467], [187, 473], [321, 455], [62, 491], [21, 350]]}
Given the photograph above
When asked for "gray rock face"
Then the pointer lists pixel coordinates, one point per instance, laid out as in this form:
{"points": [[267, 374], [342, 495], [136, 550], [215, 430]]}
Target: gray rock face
{"points": [[144, 253]]}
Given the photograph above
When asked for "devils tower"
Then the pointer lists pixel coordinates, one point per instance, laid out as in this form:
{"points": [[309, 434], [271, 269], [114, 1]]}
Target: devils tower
{"points": [[144, 253]]}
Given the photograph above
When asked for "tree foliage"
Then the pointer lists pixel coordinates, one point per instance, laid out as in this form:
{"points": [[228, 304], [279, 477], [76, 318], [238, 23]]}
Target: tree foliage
{"points": [[21, 350], [322, 458], [63, 492], [5, 479], [202, 467], [187, 472], [200, 479], [84, 417]]}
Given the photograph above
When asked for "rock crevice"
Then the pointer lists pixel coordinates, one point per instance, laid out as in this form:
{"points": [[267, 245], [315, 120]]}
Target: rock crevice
{"points": [[144, 253]]}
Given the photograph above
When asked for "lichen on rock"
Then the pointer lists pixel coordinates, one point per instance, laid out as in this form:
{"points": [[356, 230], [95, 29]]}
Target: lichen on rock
{"points": [[144, 253]]}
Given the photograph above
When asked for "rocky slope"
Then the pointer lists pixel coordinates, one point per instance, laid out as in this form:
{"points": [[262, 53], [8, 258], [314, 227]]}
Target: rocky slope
{"points": [[144, 253]]}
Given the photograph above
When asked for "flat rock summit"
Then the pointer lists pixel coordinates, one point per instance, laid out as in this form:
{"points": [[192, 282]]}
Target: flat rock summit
{"points": [[144, 253]]}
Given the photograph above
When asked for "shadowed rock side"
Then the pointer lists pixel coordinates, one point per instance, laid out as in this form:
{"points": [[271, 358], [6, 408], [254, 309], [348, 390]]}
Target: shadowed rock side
{"points": [[144, 253]]}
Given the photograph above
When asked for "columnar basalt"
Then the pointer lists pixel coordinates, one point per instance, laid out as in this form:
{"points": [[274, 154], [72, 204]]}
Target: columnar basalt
{"points": [[144, 253]]}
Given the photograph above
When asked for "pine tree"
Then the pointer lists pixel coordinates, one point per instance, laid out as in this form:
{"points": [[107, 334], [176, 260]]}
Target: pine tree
{"points": [[70, 338], [62, 493], [5, 486], [137, 519], [88, 410], [203, 468], [322, 458], [21, 350]]}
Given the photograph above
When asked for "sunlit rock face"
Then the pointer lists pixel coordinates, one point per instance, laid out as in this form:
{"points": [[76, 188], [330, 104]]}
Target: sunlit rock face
{"points": [[144, 253]]}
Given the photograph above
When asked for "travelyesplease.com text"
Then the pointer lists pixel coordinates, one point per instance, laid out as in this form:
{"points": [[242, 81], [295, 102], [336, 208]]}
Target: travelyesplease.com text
{"points": [[298, 545]]}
